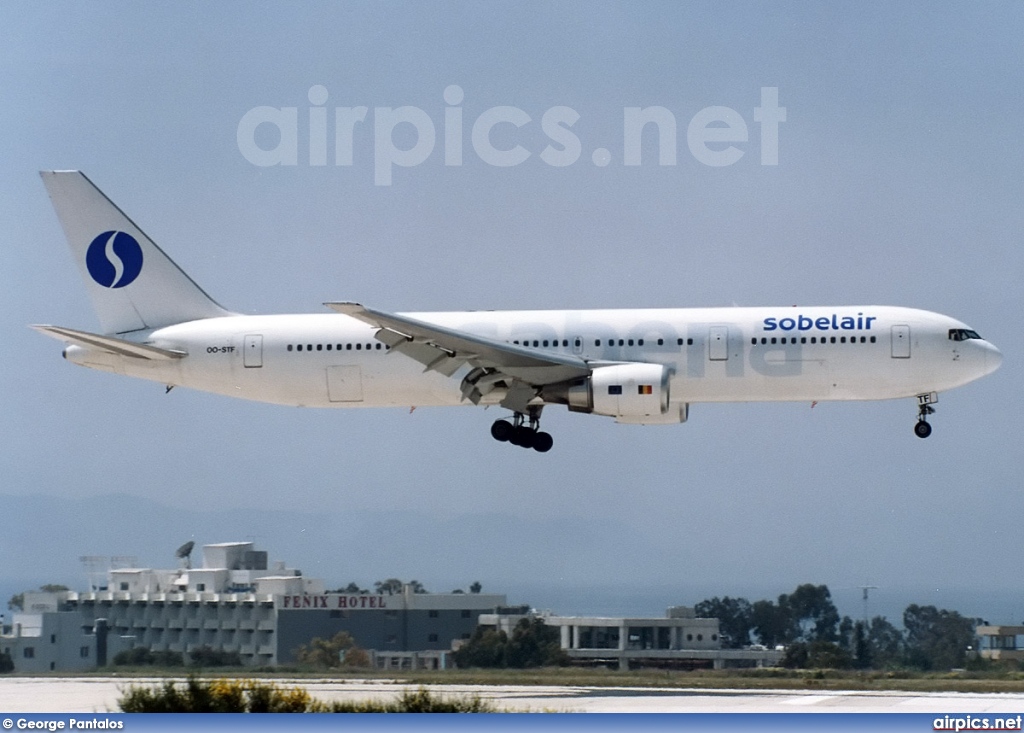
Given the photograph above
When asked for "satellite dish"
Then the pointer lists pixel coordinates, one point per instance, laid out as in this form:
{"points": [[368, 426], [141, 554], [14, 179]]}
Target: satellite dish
{"points": [[185, 553]]}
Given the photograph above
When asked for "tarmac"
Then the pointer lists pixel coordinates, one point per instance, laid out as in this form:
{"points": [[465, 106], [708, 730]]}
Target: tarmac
{"points": [[100, 695]]}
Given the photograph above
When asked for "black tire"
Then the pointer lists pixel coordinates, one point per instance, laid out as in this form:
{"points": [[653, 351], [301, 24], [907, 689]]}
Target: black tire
{"points": [[542, 442], [922, 429], [501, 430], [524, 437]]}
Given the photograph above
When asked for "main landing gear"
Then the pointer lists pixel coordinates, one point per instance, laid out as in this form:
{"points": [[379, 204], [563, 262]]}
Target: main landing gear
{"points": [[523, 431], [924, 408]]}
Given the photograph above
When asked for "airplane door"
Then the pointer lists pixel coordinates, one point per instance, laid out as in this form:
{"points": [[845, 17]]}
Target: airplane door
{"points": [[577, 345], [718, 343], [252, 354], [344, 384], [901, 342]]}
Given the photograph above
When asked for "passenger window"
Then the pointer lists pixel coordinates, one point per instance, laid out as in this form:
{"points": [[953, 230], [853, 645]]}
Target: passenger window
{"points": [[328, 347], [630, 342], [289, 347], [661, 342]]}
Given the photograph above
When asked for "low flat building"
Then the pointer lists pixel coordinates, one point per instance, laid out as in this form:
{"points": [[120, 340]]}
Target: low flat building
{"points": [[1001, 642], [680, 639]]}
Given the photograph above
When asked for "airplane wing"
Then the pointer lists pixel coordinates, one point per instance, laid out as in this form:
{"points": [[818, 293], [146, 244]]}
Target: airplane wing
{"points": [[108, 343], [520, 370]]}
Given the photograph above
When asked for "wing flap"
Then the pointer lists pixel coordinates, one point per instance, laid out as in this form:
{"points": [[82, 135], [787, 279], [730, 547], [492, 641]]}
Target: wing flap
{"points": [[108, 343], [446, 349]]}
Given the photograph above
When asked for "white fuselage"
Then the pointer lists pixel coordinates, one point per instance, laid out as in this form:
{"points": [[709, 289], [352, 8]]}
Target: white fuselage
{"points": [[712, 354]]}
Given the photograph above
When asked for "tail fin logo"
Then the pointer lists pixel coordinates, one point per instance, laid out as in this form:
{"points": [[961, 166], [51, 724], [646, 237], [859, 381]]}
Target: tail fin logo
{"points": [[114, 259]]}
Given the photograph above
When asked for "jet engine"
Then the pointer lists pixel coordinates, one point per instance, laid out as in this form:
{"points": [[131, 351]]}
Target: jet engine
{"points": [[633, 392]]}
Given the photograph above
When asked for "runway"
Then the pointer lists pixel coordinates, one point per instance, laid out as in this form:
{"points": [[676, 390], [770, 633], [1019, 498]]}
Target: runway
{"points": [[100, 694]]}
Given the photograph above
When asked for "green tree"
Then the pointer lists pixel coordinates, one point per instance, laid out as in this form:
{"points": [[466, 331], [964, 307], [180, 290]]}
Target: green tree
{"points": [[811, 609], [535, 644], [485, 648], [772, 624], [391, 586], [885, 642], [476, 587], [816, 655], [338, 651], [206, 656], [734, 619], [936, 639]]}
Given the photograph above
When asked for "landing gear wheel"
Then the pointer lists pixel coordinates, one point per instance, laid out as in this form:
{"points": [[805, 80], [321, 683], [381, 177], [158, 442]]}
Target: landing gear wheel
{"points": [[523, 429], [501, 430], [525, 437], [542, 442], [922, 429]]}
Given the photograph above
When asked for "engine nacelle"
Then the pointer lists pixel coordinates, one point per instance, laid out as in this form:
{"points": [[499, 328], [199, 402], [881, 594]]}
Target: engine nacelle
{"points": [[629, 391]]}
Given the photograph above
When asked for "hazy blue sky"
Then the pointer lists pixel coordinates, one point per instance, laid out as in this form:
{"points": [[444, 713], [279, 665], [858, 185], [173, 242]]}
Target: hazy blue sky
{"points": [[899, 181]]}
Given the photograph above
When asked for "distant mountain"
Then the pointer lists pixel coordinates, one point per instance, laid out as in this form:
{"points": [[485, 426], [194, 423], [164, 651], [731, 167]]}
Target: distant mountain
{"points": [[44, 536], [587, 565]]}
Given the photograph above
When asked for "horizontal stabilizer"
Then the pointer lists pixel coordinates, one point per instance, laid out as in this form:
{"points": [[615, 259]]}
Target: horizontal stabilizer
{"points": [[109, 343]]}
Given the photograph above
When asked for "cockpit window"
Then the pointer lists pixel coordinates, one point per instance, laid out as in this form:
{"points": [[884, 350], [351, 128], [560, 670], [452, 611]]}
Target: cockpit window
{"points": [[962, 334]]}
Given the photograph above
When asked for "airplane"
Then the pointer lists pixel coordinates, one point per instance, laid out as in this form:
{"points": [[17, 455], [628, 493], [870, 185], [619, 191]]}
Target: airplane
{"points": [[638, 366]]}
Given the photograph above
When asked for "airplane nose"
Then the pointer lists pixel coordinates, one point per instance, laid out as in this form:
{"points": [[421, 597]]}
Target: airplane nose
{"points": [[993, 358]]}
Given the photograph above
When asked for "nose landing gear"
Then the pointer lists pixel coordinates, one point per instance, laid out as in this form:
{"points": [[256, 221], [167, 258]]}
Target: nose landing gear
{"points": [[924, 408], [523, 431]]}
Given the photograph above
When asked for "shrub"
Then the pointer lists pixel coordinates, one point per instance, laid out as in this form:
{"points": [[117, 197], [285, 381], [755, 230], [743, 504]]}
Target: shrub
{"points": [[251, 696], [142, 657], [215, 696]]}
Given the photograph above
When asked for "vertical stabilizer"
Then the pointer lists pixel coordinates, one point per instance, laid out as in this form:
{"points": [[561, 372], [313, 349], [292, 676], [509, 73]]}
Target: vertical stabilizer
{"points": [[133, 285]]}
